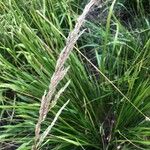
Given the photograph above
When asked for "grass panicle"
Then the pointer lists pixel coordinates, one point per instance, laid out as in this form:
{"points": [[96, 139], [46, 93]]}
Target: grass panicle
{"points": [[60, 71]]}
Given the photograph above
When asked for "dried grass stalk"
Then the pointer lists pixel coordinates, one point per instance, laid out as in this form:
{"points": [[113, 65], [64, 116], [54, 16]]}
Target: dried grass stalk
{"points": [[46, 132], [60, 71]]}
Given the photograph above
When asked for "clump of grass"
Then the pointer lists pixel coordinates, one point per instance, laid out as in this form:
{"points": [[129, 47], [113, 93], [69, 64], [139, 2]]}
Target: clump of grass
{"points": [[97, 115]]}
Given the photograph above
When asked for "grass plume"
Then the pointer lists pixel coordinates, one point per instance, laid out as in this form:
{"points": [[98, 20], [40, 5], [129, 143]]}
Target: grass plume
{"points": [[60, 70]]}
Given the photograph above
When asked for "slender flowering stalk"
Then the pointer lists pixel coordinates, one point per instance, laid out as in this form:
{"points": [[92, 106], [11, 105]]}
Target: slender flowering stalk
{"points": [[60, 71]]}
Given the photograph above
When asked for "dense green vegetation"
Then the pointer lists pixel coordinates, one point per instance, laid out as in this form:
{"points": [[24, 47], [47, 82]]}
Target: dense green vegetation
{"points": [[98, 116]]}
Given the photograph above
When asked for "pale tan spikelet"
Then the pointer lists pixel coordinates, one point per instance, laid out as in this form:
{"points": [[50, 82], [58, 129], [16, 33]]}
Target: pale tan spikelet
{"points": [[41, 118], [46, 132], [53, 102]]}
